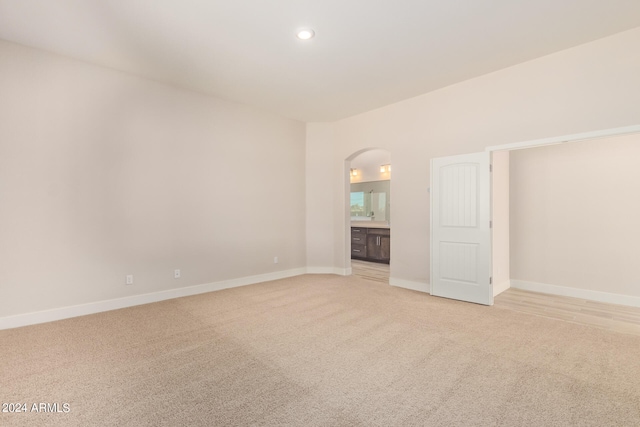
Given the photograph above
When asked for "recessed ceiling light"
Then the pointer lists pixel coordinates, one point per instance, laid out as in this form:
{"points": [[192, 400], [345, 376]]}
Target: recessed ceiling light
{"points": [[305, 34]]}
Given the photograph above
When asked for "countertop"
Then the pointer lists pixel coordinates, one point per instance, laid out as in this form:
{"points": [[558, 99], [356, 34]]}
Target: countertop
{"points": [[370, 224]]}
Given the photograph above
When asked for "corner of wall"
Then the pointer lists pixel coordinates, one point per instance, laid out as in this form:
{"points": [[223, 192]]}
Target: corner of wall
{"points": [[410, 284]]}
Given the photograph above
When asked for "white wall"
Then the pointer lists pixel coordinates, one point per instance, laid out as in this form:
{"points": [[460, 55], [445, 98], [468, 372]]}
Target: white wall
{"points": [[590, 87], [574, 215], [103, 174]]}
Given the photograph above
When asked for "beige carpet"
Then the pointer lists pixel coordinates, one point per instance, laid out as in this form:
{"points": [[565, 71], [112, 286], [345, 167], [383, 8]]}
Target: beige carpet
{"points": [[320, 351]]}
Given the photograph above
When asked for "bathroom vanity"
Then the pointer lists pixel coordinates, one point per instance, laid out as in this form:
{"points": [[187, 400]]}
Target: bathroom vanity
{"points": [[371, 243]]}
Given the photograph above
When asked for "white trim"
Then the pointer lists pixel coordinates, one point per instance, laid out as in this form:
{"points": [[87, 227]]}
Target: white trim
{"points": [[501, 287], [409, 284], [566, 138], [607, 297], [114, 304], [329, 270], [320, 270]]}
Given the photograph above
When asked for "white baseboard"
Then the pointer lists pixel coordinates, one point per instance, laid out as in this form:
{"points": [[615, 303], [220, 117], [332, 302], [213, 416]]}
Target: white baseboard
{"points": [[329, 270], [499, 288], [607, 297], [409, 284], [114, 304]]}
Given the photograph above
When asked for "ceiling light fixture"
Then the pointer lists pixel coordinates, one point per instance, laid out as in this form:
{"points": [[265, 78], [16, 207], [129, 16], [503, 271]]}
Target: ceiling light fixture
{"points": [[305, 34]]}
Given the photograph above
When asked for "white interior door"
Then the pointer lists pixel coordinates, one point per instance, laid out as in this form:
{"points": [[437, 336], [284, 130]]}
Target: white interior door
{"points": [[460, 228]]}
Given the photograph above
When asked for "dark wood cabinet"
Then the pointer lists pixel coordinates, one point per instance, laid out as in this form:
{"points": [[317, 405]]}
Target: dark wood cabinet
{"points": [[358, 242], [371, 244], [378, 245]]}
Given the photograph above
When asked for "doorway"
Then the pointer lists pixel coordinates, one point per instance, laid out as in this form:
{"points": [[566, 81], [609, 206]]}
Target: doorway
{"points": [[574, 217], [369, 214], [503, 257]]}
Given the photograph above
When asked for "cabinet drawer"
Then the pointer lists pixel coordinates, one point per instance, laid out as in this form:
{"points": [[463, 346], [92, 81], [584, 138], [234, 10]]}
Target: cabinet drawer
{"points": [[380, 231], [358, 235], [358, 239], [359, 250]]}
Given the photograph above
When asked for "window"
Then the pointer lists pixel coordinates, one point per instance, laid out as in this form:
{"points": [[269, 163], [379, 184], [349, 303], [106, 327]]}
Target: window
{"points": [[357, 204]]}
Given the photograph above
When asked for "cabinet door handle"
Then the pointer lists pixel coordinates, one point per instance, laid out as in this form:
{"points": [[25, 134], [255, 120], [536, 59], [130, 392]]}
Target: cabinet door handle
{"points": [[378, 240], [356, 238], [356, 250]]}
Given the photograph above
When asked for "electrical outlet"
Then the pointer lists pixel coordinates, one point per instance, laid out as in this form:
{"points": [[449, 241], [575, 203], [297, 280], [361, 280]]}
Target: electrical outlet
{"points": [[275, 259], [176, 274], [129, 279]]}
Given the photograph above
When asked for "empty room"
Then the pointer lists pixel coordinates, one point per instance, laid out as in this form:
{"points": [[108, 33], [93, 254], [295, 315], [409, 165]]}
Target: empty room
{"points": [[336, 213]]}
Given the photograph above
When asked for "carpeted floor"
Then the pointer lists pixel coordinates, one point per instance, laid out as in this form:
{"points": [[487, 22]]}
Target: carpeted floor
{"points": [[319, 350]]}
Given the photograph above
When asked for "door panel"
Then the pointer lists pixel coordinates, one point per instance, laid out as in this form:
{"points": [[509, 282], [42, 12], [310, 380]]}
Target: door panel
{"points": [[460, 230], [379, 245]]}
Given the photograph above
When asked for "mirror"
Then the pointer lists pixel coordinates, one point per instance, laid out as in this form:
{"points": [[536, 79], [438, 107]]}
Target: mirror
{"points": [[370, 201]]}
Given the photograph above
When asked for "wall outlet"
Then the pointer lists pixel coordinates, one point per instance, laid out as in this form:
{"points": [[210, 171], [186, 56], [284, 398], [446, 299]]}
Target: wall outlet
{"points": [[129, 279], [176, 274], [275, 259]]}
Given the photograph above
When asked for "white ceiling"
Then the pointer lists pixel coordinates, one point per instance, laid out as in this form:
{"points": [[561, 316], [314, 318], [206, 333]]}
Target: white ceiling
{"points": [[366, 53]]}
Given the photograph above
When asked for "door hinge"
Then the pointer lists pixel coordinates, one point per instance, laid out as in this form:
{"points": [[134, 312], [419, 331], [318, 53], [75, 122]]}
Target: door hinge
{"points": [[491, 280], [490, 168], [490, 224]]}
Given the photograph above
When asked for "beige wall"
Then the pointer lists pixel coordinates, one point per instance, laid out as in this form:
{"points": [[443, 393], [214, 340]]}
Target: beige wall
{"points": [[574, 215], [500, 213], [320, 173], [104, 174], [590, 87]]}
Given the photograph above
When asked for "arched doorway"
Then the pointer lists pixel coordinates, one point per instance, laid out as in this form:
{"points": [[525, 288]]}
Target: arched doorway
{"points": [[368, 210]]}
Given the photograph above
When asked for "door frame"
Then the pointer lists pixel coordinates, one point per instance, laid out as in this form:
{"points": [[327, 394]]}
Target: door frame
{"points": [[578, 137], [566, 138]]}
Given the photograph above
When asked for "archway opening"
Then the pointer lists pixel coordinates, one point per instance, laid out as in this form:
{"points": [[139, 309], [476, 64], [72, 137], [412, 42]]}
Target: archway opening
{"points": [[369, 214]]}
